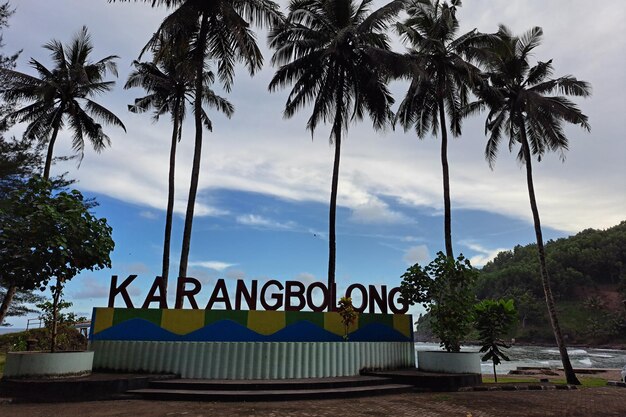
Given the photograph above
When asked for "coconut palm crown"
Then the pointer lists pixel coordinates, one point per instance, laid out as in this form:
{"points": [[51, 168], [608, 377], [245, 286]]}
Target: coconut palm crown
{"points": [[521, 106], [218, 30], [442, 71], [169, 81], [329, 51], [62, 96]]}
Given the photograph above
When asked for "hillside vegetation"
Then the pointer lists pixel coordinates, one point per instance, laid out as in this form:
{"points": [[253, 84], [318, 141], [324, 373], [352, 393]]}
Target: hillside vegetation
{"points": [[588, 274]]}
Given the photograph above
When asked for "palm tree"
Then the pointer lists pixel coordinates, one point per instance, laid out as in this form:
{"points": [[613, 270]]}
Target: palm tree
{"points": [[170, 83], [329, 50], [441, 72], [64, 95], [520, 106], [218, 30]]}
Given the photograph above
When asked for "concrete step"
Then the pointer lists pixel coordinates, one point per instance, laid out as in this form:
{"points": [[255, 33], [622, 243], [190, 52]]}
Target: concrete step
{"points": [[269, 394], [429, 381], [271, 384]]}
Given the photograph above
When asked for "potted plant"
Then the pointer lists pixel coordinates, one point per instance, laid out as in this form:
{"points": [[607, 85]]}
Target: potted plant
{"points": [[445, 288], [49, 237]]}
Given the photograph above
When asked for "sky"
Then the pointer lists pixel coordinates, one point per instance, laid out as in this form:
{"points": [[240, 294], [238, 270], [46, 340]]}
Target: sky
{"points": [[262, 207]]}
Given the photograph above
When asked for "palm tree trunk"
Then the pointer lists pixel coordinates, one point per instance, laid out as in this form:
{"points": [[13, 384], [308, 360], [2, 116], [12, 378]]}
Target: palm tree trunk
{"points": [[545, 279], [6, 302], [55, 314], [332, 214], [46, 170], [170, 199], [495, 375], [447, 215], [197, 154]]}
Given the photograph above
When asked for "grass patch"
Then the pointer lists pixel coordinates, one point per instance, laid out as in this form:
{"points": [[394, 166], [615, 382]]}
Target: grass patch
{"points": [[509, 380], [586, 382], [3, 359]]}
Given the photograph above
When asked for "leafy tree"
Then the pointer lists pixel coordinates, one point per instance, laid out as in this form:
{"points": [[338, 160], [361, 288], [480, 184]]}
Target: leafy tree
{"points": [[519, 104], [330, 51], [62, 318], [19, 159], [622, 289], [493, 319], [6, 61], [445, 287], [170, 83], [441, 72], [48, 236], [62, 96], [22, 303], [217, 30]]}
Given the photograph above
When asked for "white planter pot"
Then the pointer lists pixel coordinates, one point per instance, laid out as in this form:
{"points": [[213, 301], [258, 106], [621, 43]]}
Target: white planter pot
{"points": [[23, 364], [449, 362]]}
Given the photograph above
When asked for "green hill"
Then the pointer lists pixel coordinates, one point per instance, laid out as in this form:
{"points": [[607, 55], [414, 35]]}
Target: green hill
{"points": [[588, 276]]}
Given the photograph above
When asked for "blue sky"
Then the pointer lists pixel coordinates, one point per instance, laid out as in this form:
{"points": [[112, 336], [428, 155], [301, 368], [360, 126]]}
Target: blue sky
{"points": [[263, 203]]}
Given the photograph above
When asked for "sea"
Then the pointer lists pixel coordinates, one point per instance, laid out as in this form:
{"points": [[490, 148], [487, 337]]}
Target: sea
{"points": [[7, 330], [545, 357]]}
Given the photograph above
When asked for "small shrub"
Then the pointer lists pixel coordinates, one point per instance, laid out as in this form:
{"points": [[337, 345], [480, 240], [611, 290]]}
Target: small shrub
{"points": [[445, 288]]}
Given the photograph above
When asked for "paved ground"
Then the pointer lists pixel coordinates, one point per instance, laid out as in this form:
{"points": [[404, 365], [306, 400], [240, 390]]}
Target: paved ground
{"points": [[590, 402]]}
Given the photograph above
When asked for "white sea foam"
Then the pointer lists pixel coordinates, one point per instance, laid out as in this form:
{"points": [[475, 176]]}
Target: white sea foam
{"points": [[572, 352], [585, 361], [601, 355]]}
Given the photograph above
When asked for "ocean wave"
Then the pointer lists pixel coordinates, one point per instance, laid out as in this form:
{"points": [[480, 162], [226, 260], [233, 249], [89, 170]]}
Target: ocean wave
{"points": [[601, 355], [572, 352]]}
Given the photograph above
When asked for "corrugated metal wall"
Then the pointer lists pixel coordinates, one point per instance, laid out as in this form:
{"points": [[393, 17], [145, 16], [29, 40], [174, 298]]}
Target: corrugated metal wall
{"points": [[252, 360]]}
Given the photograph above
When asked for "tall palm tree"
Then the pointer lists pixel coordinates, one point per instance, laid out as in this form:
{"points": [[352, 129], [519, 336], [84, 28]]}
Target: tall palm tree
{"points": [[442, 70], [170, 83], [328, 50], [63, 96], [218, 30], [520, 105]]}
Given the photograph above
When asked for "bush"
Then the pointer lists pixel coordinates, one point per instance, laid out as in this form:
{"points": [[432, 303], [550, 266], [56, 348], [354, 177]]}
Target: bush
{"points": [[68, 339], [445, 288]]}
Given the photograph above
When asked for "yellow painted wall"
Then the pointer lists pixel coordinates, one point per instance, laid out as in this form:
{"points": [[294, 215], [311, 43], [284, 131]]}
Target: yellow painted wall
{"points": [[182, 321], [266, 322]]}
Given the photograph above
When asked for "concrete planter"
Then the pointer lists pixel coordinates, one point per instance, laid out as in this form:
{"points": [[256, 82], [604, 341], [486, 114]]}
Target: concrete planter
{"points": [[449, 362], [46, 364]]}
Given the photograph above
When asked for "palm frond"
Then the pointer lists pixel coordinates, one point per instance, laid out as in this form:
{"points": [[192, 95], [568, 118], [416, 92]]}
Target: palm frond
{"points": [[103, 114]]}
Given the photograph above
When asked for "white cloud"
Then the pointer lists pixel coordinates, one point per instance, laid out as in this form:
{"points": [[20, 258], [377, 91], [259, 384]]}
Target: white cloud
{"points": [[375, 211], [215, 265], [91, 288], [259, 152], [147, 214], [235, 274], [260, 221], [416, 254], [305, 278], [484, 254], [137, 268]]}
